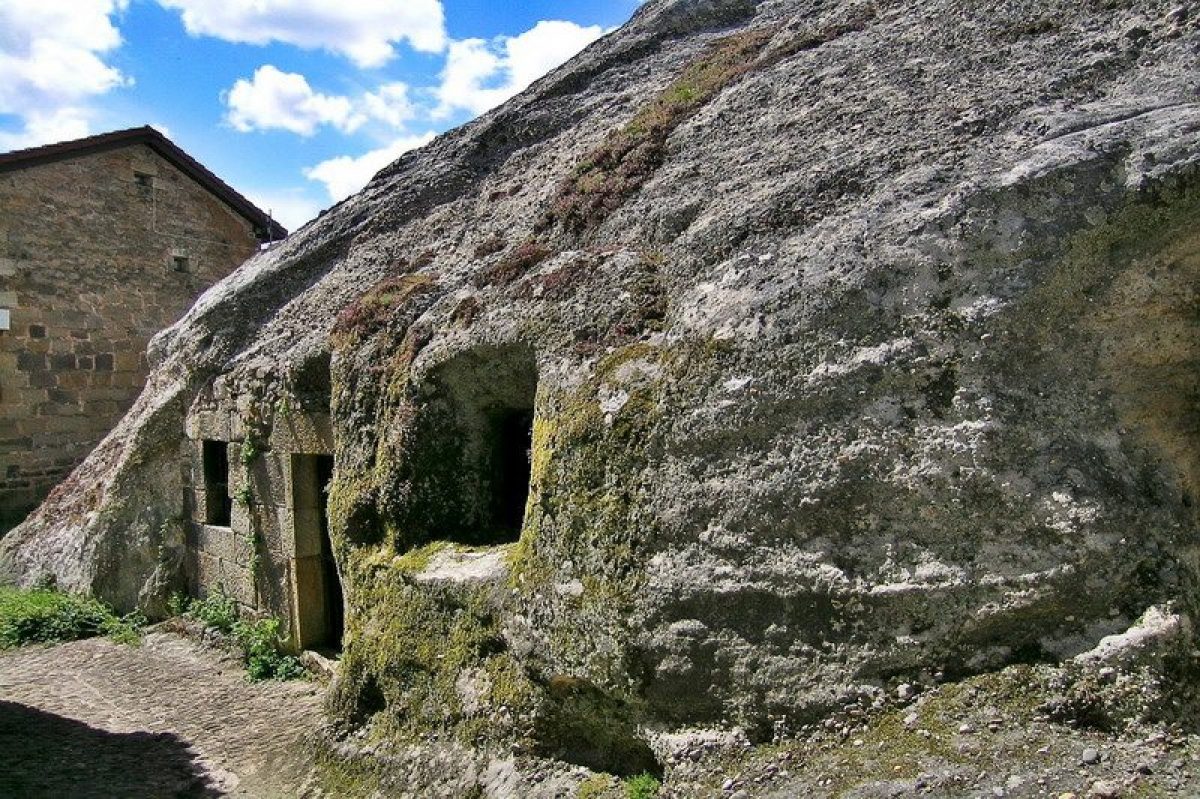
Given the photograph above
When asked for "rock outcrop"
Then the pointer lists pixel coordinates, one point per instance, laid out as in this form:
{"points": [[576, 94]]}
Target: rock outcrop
{"points": [[859, 340]]}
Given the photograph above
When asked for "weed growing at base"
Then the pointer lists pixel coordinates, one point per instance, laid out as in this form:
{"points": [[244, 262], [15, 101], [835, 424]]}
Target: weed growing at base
{"points": [[46, 615], [643, 786], [257, 638]]}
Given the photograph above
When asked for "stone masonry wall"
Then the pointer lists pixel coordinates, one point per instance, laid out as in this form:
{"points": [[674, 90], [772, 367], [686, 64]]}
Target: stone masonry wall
{"points": [[97, 253], [269, 555]]}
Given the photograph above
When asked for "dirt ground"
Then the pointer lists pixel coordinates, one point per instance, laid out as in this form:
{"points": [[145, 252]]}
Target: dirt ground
{"points": [[169, 718]]}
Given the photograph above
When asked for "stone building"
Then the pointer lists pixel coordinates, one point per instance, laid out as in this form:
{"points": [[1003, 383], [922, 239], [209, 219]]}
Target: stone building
{"points": [[103, 242]]}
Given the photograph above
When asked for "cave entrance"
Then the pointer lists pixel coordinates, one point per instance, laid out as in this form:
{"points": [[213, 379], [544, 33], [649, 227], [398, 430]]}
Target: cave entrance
{"points": [[470, 471], [318, 601]]}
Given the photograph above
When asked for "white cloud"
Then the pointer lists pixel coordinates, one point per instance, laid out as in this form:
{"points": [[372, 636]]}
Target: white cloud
{"points": [[468, 65], [50, 65], [390, 104], [275, 99], [362, 30], [63, 124], [480, 75], [545, 46], [284, 100], [346, 174]]}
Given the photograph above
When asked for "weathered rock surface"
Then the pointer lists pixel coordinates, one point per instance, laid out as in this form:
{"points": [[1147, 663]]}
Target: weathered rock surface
{"points": [[861, 342]]}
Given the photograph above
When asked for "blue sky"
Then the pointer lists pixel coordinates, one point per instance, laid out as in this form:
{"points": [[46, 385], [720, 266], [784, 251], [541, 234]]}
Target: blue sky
{"points": [[293, 102]]}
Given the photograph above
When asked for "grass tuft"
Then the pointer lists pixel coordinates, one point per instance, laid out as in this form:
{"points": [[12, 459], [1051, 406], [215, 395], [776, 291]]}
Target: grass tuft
{"points": [[642, 786], [45, 616]]}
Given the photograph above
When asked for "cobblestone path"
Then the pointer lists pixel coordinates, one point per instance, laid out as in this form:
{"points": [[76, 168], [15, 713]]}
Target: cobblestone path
{"points": [[166, 719]]}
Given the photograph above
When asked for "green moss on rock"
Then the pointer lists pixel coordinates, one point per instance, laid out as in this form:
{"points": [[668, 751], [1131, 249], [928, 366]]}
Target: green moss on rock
{"points": [[433, 658], [430, 658]]}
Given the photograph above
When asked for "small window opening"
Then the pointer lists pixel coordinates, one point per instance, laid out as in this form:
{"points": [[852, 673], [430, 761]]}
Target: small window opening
{"points": [[144, 179], [181, 263], [218, 504]]}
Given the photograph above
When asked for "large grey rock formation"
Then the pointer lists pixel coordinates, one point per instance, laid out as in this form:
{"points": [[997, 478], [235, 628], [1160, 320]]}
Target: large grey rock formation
{"points": [[861, 341]]}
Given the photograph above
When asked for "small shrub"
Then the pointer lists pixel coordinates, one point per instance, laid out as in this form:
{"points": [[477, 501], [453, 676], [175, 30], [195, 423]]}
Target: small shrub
{"points": [[178, 604], [250, 451], [217, 610], [259, 640], [44, 615], [643, 786], [126, 629]]}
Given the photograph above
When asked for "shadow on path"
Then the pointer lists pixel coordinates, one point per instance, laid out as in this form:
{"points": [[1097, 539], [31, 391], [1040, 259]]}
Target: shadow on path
{"points": [[45, 755]]}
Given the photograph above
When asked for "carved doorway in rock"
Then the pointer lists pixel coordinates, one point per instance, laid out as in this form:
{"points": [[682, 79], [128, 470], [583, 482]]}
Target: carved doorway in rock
{"points": [[317, 600], [469, 468]]}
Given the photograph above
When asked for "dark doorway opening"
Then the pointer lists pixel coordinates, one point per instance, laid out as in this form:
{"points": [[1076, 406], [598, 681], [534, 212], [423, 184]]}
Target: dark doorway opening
{"points": [[218, 505], [510, 457], [334, 601], [319, 603]]}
